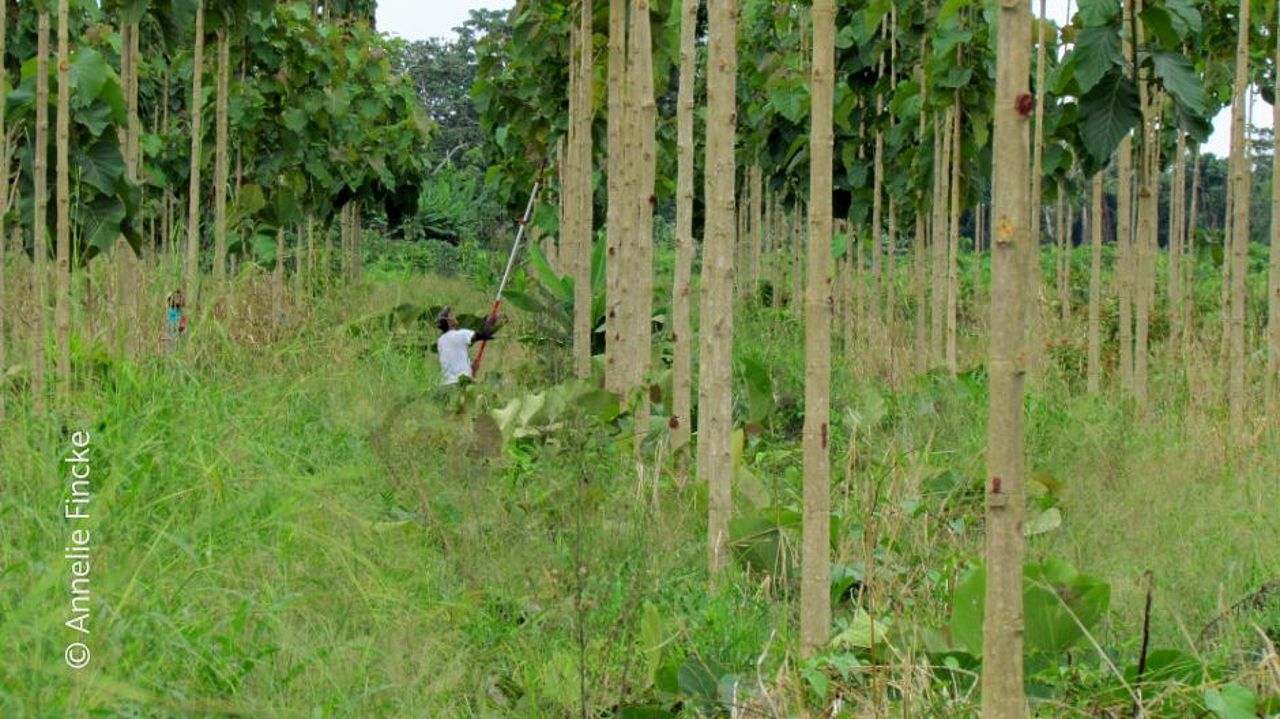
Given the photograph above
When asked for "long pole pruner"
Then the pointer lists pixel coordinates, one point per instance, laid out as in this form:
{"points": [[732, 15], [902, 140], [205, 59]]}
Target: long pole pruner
{"points": [[511, 261]]}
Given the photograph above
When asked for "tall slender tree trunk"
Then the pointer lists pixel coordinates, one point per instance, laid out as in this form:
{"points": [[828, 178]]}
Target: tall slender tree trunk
{"points": [[1273, 271], [1095, 288], [890, 280], [192, 259], [62, 308], [682, 359], [715, 408], [1124, 259], [40, 234], [220, 158], [1069, 251], [938, 255], [4, 206], [640, 58], [918, 250], [1177, 235], [615, 328], [1189, 260], [1059, 254], [798, 233], [953, 243], [1002, 675], [1145, 240], [815, 586], [130, 262], [583, 221], [757, 228], [1240, 181], [1037, 198]]}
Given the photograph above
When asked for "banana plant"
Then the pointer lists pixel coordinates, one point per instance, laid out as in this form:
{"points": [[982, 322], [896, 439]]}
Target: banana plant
{"points": [[550, 296]]}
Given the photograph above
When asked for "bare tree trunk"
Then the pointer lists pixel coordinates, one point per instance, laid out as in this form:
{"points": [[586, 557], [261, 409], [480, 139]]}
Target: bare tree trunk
{"points": [[583, 219], [1273, 271], [1177, 234], [1002, 668], [4, 206], [1095, 288], [1240, 180], [1034, 280], [938, 256], [615, 327], [192, 260], [891, 274], [715, 409], [1124, 259], [815, 586], [797, 255], [757, 228], [953, 243], [357, 242], [220, 158], [62, 308], [277, 280], [40, 234], [1189, 267], [1069, 251], [682, 361], [646, 167], [1059, 255]]}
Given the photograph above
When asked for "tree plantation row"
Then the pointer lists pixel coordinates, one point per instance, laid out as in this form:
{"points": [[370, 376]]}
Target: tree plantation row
{"points": [[293, 124], [958, 213], [903, 120]]}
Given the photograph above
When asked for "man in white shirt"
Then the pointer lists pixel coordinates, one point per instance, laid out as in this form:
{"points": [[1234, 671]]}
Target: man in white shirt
{"points": [[455, 343]]}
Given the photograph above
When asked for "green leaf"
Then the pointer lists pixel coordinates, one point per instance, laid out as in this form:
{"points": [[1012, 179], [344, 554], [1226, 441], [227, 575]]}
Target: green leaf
{"points": [[1186, 15], [100, 165], [957, 76], [295, 118], [89, 72], [1099, 12], [1232, 701], [1180, 79], [551, 282], [99, 223], [759, 389], [1098, 51], [1059, 604], [1110, 110], [1160, 24]]}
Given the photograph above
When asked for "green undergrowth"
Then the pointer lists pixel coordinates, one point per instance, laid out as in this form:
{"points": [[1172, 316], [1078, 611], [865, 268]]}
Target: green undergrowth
{"points": [[314, 528]]}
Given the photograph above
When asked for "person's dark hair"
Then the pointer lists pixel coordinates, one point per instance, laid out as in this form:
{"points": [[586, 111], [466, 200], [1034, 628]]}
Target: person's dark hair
{"points": [[442, 319]]}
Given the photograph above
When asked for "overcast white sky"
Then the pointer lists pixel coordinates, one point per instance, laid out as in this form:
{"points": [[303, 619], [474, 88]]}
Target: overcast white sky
{"points": [[421, 19]]}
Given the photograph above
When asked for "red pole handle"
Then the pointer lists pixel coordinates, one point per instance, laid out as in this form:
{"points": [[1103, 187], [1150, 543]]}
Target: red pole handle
{"points": [[493, 318]]}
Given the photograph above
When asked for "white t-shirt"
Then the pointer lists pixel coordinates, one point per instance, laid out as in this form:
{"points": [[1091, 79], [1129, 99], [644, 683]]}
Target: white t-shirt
{"points": [[455, 362]]}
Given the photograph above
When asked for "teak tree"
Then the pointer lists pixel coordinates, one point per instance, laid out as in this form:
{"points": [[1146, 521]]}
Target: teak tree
{"points": [[715, 358], [1002, 668], [815, 591]]}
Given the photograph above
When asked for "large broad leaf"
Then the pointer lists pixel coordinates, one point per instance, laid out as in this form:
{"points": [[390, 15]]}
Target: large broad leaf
{"points": [[99, 223], [1232, 701], [759, 389], [1162, 25], [551, 282], [1180, 79], [89, 72], [1098, 51], [1110, 110], [1184, 14], [1059, 604], [100, 165], [1098, 12]]}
